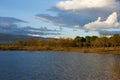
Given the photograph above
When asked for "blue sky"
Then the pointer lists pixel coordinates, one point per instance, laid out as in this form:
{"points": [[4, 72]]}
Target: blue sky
{"points": [[60, 18]]}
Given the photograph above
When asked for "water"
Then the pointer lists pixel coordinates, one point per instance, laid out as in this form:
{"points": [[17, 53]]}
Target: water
{"points": [[23, 65]]}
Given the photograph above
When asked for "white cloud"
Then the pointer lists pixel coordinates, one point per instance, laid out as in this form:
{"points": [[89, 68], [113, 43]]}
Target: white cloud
{"points": [[77, 27], [110, 22], [83, 4], [43, 19], [4, 24]]}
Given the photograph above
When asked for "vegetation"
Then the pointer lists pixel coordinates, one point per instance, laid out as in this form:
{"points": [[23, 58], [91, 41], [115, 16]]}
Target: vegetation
{"points": [[78, 44]]}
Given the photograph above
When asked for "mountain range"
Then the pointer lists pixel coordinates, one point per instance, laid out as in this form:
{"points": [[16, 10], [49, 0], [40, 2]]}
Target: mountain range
{"points": [[9, 38]]}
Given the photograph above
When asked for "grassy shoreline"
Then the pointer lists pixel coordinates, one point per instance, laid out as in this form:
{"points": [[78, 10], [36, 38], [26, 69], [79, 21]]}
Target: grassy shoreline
{"points": [[100, 50], [88, 44]]}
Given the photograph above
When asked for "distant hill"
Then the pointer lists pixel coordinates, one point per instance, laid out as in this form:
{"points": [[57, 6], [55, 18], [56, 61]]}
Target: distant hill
{"points": [[8, 38]]}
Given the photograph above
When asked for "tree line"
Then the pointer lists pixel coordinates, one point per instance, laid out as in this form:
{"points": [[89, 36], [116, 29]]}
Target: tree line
{"points": [[88, 41]]}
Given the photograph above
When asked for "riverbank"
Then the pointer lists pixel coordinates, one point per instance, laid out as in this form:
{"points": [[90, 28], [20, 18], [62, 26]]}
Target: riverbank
{"points": [[88, 44], [104, 50]]}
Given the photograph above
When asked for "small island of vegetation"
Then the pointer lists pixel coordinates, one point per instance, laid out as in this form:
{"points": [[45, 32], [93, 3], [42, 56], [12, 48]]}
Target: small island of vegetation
{"points": [[78, 44]]}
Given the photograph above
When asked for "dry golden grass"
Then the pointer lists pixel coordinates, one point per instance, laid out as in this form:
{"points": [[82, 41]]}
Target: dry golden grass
{"points": [[66, 49]]}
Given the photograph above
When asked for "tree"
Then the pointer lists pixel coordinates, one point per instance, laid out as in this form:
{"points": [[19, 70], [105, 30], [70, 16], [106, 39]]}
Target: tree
{"points": [[52, 43], [93, 38], [19, 43], [115, 40], [68, 42], [40, 42], [78, 41], [87, 41], [101, 42], [31, 42]]}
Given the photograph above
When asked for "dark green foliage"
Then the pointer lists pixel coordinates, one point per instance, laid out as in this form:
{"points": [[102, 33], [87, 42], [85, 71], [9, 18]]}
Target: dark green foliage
{"points": [[79, 41]]}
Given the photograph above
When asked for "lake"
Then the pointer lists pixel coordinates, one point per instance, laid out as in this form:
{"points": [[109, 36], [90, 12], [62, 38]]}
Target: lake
{"points": [[25, 65]]}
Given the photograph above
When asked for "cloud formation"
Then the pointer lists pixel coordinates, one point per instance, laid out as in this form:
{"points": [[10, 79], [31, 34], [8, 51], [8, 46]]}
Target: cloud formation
{"points": [[83, 4], [82, 14], [10, 25], [109, 33], [11, 20], [65, 19], [110, 22]]}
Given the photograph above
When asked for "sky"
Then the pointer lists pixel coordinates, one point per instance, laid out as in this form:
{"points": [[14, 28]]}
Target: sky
{"points": [[59, 18]]}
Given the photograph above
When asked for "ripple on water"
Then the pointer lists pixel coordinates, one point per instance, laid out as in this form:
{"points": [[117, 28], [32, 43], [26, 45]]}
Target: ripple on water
{"points": [[23, 65]]}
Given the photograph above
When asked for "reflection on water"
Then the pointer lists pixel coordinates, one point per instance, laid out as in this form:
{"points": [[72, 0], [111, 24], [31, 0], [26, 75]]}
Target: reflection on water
{"points": [[17, 65], [115, 68]]}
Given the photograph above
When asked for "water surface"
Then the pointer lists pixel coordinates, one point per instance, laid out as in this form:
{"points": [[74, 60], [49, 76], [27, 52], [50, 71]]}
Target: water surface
{"points": [[24, 65]]}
